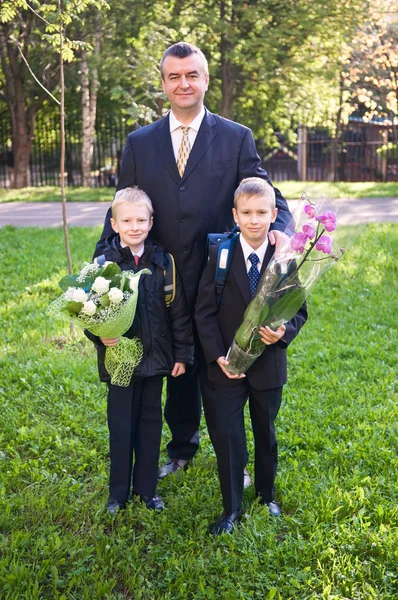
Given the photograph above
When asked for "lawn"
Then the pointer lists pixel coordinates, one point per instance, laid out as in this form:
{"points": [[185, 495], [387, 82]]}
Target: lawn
{"points": [[290, 189], [337, 429]]}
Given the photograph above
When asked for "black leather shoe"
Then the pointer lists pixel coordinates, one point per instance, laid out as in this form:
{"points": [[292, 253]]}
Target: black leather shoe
{"points": [[274, 509], [113, 505], [172, 466], [153, 502], [226, 523]]}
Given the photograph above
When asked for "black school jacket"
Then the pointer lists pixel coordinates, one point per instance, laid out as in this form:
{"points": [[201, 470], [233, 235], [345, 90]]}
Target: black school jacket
{"points": [[166, 333], [217, 329]]}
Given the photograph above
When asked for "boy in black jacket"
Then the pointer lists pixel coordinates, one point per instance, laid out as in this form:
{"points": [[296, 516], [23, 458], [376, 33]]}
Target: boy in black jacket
{"points": [[135, 412], [225, 395]]}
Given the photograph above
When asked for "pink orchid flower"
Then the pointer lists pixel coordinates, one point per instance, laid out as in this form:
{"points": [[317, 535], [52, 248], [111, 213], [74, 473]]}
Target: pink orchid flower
{"points": [[309, 230], [298, 241], [324, 244], [310, 211], [328, 220]]}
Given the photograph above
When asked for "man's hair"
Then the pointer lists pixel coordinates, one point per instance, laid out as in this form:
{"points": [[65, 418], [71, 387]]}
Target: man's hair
{"points": [[182, 50], [131, 195], [254, 186]]}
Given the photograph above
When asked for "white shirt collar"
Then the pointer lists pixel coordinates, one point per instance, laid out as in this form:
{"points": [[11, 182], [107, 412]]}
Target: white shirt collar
{"points": [[139, 253], [195, 124], [247, 249]]}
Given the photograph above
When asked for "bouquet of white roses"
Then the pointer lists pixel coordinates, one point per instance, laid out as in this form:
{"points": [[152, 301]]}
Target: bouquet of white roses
{"points": [[286, 282], [103, 300]]}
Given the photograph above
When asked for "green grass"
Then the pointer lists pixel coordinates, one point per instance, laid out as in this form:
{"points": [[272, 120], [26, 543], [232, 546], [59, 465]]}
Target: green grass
{"points": [[53, 194], [290, 189], [322, 189], [337, 431]]}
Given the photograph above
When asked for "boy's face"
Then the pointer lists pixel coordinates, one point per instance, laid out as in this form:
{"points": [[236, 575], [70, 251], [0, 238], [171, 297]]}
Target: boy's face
{"points": [[132, 223], [254, 215]]}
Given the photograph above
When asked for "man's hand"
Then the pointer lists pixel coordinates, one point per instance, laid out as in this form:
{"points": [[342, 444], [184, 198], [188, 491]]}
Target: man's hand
{"points": [[269, 336], [280, 240], [178, 369], [223, 362], [110, 341]]}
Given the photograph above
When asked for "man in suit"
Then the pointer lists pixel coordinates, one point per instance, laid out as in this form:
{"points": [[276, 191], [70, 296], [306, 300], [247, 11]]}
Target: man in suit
{"points": [[189, 163], [225, 395]]}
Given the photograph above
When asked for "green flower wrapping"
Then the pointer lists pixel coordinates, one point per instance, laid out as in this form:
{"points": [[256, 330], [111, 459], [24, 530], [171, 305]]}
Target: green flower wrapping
{"points": [[110, 320]]}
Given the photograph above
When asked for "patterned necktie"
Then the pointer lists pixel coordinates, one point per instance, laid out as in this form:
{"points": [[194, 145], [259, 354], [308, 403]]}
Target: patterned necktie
{"points": [[183, 152], [253, 273]]}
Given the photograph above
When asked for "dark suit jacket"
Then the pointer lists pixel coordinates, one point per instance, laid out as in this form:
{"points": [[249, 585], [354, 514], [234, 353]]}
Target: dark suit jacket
{"points": [[188, 208], [217, 329]]}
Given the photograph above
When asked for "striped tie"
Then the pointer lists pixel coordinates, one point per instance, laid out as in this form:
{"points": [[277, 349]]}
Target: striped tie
{"points": [[183, 152]]}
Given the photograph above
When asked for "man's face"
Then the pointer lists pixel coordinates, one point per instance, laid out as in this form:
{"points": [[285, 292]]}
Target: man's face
{"points": [[133, 224], [185, 83], [254, 215]]}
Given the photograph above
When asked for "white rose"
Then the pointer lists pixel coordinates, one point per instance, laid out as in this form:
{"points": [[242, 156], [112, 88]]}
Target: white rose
{"points": [[101, 285], [89, 308], [79, 295], [115, 295]]}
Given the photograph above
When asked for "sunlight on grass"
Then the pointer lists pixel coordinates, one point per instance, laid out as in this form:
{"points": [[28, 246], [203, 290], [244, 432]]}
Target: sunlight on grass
{"points": [[289, 189], [337, 435]]}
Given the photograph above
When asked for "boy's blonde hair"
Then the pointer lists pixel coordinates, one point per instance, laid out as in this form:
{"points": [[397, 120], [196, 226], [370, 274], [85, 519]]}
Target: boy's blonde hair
{"points": [[132, 195], [254, 186]]}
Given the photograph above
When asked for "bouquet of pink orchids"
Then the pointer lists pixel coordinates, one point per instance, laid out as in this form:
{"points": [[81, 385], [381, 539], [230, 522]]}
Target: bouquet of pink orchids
{"points": [[286, 282], [103, 300]]}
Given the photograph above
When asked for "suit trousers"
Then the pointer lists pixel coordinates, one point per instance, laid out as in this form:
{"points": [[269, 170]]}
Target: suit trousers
{"points": [[224, 411], [135, 428], [183, 410]]}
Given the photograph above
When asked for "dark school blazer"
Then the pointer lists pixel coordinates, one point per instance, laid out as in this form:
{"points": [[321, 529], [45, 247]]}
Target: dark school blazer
{"points": [[188, 208], [217, 329]]}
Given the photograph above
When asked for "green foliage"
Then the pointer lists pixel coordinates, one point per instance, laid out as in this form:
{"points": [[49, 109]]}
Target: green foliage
{"points": [[337, 438]]}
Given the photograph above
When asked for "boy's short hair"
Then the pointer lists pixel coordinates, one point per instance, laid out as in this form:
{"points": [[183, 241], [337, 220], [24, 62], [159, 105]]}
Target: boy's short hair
{"points": [[255, 186], [182, 50], [132, 195]]}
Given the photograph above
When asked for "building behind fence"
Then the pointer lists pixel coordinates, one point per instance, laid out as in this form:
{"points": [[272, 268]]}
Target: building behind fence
{"points": [[361, 152]]}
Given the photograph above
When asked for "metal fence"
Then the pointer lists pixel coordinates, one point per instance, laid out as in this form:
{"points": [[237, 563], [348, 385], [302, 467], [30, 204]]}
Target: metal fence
{"points": [[44, 167], [361, 152]]}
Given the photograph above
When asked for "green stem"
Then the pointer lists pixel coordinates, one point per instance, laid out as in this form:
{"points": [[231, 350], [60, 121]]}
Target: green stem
{"points": [[312, 245]]}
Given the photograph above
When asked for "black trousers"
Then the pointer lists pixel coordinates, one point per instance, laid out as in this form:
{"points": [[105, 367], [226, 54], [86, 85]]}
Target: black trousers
{"points": [[135, 428], [224, 412], [183, 411]]}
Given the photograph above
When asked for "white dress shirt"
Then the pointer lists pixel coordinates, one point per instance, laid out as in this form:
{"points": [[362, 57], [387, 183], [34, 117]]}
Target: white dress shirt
{"points": [[176, 131], [247, 250], [139, 253]]}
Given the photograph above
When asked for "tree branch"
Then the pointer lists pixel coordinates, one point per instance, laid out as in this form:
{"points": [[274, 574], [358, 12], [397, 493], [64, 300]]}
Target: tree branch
{"points": [[37, 14], [31, 72]]}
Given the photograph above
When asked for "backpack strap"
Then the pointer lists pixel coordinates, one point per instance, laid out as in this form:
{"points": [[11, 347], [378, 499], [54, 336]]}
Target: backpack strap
{"points": [[169, 279], [169, 276], [100, 260], [224, 259]]}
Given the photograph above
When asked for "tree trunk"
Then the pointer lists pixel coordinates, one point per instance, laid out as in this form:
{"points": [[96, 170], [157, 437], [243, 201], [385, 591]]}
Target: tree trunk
{"points": [[227, 68], [227, 89], [23, 101], [22, 123], [89, 110]]}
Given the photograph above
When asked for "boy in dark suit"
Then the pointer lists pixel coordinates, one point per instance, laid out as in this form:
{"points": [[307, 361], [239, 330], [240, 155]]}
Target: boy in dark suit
{"points": [[135, 412], [225, 395]]}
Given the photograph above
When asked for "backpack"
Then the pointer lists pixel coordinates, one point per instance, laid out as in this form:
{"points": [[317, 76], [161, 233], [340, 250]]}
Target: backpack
{"points": [[169, 277], [226, 243]]}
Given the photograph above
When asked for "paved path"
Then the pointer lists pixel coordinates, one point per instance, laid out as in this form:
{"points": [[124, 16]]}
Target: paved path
{"points": [[49, 214]]}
